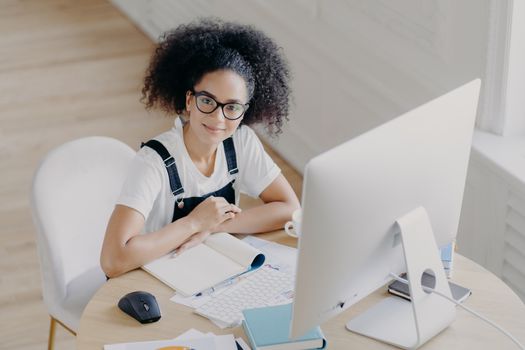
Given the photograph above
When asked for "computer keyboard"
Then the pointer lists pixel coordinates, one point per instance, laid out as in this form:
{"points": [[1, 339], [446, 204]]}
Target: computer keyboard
{"points": [[265, 287]]}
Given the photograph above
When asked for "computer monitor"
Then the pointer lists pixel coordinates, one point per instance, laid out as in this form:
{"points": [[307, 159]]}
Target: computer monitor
{"points": [[383, 203]]}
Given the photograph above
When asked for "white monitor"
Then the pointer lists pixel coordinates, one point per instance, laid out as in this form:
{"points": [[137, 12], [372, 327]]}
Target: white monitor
{"points": [[367, 205]]}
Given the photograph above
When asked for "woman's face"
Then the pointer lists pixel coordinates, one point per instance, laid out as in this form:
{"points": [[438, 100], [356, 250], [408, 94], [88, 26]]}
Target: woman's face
{"points": [[223, 86]]}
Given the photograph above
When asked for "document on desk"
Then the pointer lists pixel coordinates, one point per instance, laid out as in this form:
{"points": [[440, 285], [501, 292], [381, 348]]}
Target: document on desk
{"points": [[192, 338], [219, 258], [277, 256], [205, 343], [280, 256]]}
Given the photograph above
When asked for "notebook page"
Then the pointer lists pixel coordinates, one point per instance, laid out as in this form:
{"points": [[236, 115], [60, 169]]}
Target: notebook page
{"points": [[239, 251], [194, 270]]}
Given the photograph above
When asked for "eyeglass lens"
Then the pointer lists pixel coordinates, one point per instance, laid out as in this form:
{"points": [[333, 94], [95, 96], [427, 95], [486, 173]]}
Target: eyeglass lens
{"points": [[207, 104]]}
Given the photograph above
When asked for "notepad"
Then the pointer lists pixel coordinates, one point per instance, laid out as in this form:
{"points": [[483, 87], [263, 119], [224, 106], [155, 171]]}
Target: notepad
{"points": [[268, 328], [219, 258]]}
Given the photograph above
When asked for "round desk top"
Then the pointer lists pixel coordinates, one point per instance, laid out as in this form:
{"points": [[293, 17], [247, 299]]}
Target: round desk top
{"points": [[104, 323]]}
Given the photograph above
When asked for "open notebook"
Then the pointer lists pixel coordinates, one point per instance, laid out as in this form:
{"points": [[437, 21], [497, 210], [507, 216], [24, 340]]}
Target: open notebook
{"points": [[219, 258]]}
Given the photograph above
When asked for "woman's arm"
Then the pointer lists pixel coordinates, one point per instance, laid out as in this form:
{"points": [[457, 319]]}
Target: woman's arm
{"points": [[125, 249], [280, 201]]}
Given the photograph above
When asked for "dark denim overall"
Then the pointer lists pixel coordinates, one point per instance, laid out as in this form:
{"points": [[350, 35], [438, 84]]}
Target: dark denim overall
{"points": [[183, 206]]}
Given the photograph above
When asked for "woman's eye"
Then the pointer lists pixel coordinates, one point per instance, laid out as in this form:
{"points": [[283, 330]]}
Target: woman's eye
{"points": [[206, 100], [233, 108]]}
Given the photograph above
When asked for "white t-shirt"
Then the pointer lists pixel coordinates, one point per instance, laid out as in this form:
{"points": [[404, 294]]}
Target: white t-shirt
{"points": [[147, 187]]}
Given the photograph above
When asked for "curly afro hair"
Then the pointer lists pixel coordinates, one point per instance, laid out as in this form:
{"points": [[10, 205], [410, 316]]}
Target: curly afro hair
{"points": [[185, 54]]}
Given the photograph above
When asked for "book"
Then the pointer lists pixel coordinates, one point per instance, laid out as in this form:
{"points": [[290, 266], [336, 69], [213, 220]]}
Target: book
{"points": [[447, 257], [400, 289], [268, 328], [219, 258]]}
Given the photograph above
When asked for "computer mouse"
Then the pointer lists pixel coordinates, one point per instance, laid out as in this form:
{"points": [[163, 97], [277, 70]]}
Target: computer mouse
{"points": [[142, 306]]}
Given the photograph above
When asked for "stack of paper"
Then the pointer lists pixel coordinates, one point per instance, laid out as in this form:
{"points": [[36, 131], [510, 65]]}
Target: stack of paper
{"points": [[193, 339]]}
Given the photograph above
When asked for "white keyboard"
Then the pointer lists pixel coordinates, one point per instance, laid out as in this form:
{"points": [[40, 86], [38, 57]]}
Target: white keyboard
{"points": [[264, 287]]}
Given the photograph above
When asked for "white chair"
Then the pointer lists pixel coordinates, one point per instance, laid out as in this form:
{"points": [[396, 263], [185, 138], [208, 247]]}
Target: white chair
{"points": [[74, 192]]}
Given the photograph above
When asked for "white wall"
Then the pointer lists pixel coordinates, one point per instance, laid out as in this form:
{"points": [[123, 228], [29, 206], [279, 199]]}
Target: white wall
{"points": [[514, 121], [359, 63], [356, 63]]}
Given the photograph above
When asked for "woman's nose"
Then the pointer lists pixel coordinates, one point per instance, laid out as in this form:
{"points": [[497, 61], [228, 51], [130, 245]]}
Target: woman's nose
{"points": [[218, 113]]}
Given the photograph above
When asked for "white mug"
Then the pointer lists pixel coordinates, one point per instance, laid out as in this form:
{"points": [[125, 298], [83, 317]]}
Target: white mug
{"points": [[293, 228]]}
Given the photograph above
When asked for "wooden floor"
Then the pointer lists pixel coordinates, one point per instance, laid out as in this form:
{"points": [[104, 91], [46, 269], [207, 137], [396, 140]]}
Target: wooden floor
{"points": [[67, 69]]}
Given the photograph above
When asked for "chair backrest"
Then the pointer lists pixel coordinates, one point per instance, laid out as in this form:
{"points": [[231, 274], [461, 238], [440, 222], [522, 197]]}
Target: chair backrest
{"points": [[74, 192]]}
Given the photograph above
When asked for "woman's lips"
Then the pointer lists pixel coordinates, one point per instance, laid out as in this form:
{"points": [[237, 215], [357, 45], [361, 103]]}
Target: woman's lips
{"points": [[213, 130]]}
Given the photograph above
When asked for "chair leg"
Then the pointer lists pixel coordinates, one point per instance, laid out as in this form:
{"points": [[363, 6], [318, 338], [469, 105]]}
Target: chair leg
{"points": [[51, 340], [52, 327], [66, 328]]}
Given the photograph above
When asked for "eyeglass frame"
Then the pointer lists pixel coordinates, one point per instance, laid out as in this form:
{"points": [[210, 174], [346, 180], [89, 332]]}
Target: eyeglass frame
{"points": [[218, 104]]}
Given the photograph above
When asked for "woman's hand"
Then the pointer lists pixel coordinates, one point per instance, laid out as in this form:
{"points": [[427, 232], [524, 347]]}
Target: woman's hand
{"points": [[194, 240], [212, 212]]}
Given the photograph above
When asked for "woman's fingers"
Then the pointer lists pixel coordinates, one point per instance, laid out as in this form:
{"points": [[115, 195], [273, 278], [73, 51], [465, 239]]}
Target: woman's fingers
{"points": [[227, 207], [230, 211], [223, 203], [229, 215], [235, 208], [214, 211]]}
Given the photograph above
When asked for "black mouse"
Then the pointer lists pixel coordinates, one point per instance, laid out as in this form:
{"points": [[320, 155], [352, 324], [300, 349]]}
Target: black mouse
{"points": [[142, 306]]}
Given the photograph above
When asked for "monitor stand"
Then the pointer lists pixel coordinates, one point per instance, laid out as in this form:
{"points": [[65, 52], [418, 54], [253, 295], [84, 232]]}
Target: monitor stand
{"points": [[402, 323]]}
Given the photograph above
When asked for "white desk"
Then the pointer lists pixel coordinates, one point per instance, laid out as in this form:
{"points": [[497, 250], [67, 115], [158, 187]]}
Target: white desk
{"points": [[103, 323]]}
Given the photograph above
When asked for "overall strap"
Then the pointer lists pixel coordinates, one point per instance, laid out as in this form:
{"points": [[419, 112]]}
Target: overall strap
{"points": [[231, 158], [169, 162]]}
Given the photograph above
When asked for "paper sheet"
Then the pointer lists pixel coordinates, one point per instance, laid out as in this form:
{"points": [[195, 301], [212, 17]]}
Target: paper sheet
{"points": [[278, 256], [222, 342], [204, 343], [277, 253], [242, 344]]}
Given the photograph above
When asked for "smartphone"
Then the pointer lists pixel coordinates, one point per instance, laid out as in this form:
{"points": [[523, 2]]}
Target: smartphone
{"points": [[400, 289]]}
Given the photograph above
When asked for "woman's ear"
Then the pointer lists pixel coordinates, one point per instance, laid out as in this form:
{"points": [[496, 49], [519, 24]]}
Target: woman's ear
{"points": [[188, 100]]}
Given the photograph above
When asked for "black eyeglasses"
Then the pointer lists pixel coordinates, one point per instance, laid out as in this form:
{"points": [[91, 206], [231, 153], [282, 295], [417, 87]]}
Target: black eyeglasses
{"points": [[207, 104]]}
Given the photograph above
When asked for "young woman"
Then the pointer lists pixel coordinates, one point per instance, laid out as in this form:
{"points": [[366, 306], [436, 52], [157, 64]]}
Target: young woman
{"points": [[184, 185]]}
